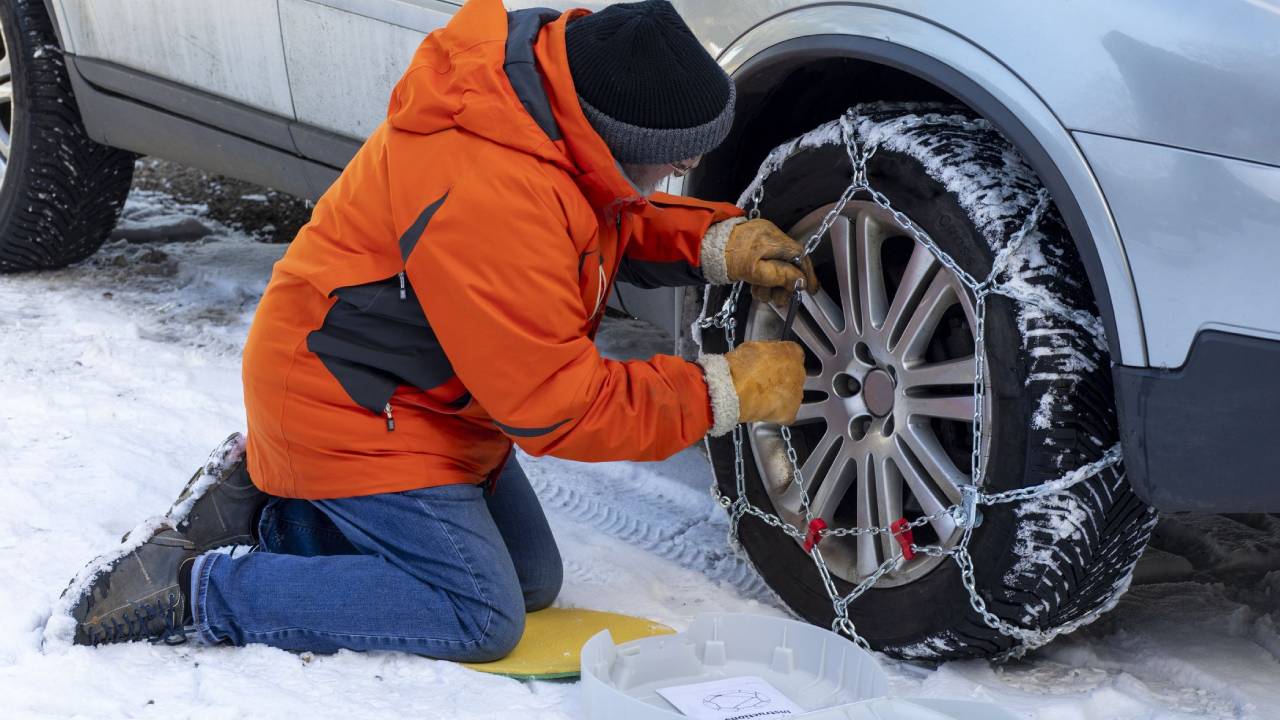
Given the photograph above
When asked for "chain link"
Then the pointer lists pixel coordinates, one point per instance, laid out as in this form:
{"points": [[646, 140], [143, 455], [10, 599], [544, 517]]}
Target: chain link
{"points": [[965, 513]]}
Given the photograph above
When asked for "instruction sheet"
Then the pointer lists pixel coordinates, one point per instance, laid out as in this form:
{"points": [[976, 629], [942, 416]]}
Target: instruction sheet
{"points": [[737, 698]]}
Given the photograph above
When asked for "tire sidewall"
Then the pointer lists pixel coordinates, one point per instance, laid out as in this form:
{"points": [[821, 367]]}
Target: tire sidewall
{"points": [[933, 605]]}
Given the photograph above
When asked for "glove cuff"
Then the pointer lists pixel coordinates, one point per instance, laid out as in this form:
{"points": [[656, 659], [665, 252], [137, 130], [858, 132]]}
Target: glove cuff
{"points": [[724, 396], [715, 267]]}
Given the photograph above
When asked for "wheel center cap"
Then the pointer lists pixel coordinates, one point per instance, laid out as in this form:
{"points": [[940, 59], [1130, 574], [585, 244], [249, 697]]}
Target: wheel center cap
{"points": [[877, 393]]}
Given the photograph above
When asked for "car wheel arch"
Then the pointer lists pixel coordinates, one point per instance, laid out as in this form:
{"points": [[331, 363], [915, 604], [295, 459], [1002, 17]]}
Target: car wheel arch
{"points": [[764, 58]]}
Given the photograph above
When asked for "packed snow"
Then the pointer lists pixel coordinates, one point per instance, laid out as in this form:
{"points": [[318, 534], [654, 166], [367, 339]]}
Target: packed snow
{"points": [[120, 375]]}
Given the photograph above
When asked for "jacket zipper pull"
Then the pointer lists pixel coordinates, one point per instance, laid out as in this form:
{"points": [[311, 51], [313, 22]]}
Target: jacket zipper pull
{"points": [[404, 295], [391, 421]]}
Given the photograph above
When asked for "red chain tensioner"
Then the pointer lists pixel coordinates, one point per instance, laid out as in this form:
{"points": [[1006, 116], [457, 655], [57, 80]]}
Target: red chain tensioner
{"points": [[814, 536], [901, 530]]}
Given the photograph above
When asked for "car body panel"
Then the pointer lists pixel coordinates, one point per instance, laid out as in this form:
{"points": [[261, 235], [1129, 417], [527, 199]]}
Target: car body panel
{"points": [[345, 56], [234, 53], [1202, 438], [1201, 235], [1198, 75]]}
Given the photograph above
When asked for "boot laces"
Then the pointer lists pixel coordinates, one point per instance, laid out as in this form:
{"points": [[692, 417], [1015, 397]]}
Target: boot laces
{"points": [[157, 621]]}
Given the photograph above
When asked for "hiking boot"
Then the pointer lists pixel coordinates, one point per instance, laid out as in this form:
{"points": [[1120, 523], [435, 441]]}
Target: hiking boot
{"points": [[220, 504], [141, 595]]}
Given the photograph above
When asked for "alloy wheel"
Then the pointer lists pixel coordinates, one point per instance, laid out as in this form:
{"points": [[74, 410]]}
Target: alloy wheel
{"points": [[886, 427]]}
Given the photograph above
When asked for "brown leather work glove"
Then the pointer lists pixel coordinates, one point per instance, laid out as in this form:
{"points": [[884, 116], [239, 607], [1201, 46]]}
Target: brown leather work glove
{"points": [[759, 253], [760, 381]]}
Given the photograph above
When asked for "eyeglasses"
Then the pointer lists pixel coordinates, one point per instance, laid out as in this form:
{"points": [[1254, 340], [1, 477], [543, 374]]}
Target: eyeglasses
{"points": [[684, 167]]}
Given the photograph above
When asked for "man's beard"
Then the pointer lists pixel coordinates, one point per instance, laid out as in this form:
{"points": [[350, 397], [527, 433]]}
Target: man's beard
{"points": [[646, 178]]}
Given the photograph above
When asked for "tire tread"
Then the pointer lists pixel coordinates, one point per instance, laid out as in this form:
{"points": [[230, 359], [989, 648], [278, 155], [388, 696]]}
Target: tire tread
{"points": [[66, 190]]}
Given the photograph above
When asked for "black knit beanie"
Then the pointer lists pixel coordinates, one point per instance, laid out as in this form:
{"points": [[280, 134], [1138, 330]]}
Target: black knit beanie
{"points": [[646, 84]]}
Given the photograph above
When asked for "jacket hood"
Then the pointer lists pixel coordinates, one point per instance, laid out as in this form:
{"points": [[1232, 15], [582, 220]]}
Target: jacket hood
{"points": [[505, 77]]}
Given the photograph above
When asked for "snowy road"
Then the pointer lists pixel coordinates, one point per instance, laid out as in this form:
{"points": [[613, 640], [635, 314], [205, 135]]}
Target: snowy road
{"points": [[118, 376]]}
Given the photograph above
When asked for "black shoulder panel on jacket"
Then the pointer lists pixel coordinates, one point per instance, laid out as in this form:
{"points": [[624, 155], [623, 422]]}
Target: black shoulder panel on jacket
{"points": [[523, 27]]}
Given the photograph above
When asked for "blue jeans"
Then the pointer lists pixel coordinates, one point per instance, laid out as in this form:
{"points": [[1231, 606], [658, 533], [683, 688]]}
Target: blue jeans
{"points": [[447, 572]]}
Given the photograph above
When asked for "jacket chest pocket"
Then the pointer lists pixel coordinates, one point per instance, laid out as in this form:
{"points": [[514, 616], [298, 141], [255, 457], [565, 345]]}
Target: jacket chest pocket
{"points": [[593, 283]]}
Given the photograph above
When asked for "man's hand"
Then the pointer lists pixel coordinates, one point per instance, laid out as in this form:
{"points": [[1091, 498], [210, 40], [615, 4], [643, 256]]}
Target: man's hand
{"points": [[769, 379], [759, 253], [759, 381]]}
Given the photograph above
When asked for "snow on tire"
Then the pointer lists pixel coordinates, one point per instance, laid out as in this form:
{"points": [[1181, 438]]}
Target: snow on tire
{"points": [[60, 192], [1050, 564]]}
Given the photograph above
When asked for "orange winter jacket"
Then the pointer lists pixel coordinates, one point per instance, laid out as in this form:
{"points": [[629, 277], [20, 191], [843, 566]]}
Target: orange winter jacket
{"points": [[442, 301]]}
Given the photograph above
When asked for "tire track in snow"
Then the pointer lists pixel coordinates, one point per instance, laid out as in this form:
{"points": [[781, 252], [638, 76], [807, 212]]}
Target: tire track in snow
{"points": [[637, 506]]}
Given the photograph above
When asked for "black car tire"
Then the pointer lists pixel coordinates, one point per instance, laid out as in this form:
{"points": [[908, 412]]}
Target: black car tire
{"points": [[61, 193], [1041, 564]]}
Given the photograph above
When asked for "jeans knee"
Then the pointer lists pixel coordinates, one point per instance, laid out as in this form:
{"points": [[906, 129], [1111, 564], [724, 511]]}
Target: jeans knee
{"points": [[541, 594], [500, 637]]}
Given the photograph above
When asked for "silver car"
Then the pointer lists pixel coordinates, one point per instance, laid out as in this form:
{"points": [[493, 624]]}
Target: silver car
{"points": [[1151, 124]]}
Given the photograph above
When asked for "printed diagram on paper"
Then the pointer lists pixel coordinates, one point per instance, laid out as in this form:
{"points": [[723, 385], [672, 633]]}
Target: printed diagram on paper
{"points": [[736, 698]]}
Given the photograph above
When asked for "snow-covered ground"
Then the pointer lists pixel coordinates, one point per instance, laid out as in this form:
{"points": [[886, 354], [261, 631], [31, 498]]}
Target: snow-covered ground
{"points": [[118, 376]]}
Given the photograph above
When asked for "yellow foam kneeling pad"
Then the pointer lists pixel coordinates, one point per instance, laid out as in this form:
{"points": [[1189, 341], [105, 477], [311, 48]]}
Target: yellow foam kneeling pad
{"points": [[553, 637]]}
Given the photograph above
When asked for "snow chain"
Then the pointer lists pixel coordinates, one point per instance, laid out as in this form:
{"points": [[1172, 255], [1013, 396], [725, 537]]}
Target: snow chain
{"points": [[966, 513]]}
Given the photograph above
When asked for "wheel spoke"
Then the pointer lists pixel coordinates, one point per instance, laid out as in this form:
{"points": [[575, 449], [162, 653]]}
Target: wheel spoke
{"points": [[939, 296], [948, 372], [810, 333], [811, 412], [6, 71], [932, 498], [834, 487], [888, 491], [871, 290], [842, 254], [868, 555], [811, 337], [825, 313], [942, 473], [915, 281], [817, 383], [946, 407], [817, 459], [6, 91], [888, 501]]}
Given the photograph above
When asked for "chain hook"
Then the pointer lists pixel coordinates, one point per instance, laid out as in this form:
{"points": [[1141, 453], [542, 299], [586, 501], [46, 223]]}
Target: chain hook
{"points": [[966, 513]]}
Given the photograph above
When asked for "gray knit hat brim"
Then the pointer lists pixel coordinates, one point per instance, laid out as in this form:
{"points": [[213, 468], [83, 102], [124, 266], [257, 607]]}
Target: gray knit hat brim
{"points": [[652, 146]]}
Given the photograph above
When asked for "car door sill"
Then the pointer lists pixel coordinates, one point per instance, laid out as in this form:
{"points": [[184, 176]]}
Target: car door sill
{"points": [[135, 111]]}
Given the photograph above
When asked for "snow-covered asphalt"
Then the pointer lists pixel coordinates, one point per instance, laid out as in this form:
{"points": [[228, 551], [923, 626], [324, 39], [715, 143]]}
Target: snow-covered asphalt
{"points": [[118, 377]]}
